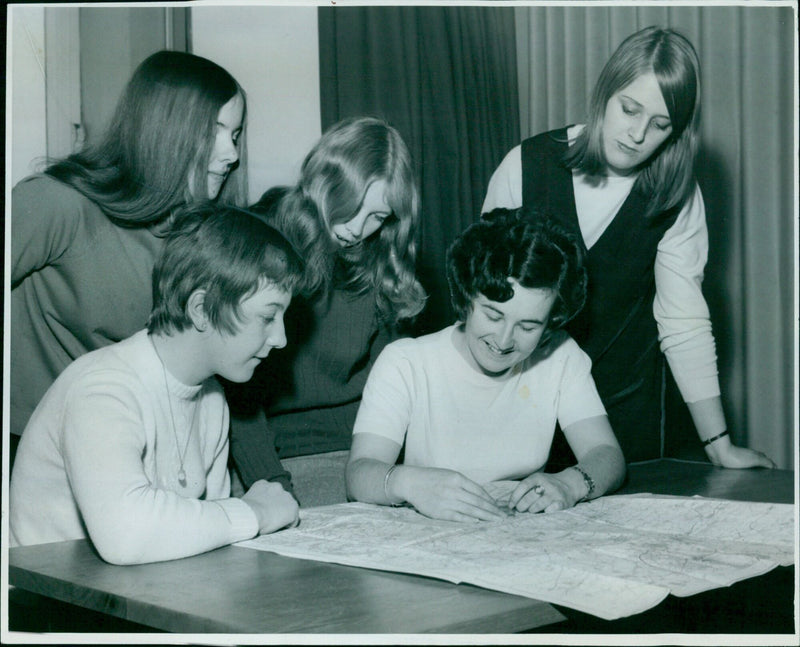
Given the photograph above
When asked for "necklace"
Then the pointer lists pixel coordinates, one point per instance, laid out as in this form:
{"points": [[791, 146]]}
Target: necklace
{"points": [[181, 455]]}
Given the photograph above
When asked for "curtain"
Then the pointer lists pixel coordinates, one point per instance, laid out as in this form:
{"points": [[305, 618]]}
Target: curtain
{"points": [[446, 78], [746, 170]]}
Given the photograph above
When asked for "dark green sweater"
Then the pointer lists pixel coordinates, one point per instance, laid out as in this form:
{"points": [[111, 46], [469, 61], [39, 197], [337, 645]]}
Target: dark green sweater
{"points": [[304, 398], [78, 282]]}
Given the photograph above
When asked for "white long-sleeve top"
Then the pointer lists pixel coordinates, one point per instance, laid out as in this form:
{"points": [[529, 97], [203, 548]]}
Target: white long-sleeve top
{"points": [[101, 456], [679, 308]]}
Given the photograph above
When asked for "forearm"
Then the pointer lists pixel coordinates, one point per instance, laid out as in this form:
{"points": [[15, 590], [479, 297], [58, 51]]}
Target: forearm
{"points": [[369, 480], [160, 526], [604, 469], [709, 420], [253, 451], [130, 521], [708, 417]]}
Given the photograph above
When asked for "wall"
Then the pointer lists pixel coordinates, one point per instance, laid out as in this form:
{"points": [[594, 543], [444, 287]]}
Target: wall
{"points": [[274, 54], [26, 143], [275, 58], [114, 40]]}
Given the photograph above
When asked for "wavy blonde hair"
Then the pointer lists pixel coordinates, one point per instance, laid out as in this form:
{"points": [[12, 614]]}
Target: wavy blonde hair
{"points": [[334, 178]]}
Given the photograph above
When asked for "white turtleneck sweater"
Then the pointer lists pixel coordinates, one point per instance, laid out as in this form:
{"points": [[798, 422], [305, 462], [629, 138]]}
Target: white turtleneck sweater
{"points": [[101, 457]]}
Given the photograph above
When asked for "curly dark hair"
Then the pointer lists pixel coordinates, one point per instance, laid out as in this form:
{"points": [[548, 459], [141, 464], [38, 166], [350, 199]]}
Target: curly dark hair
{"points": [[508, 243]]}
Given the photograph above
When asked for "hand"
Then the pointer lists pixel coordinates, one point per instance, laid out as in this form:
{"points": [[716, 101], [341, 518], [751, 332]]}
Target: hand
{"points": [[445, 494], [726, 454], [542, 492], [273, 506]]}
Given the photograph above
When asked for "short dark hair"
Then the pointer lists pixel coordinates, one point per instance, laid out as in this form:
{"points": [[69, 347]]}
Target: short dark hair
{"points": [[226, 251], [510, 243]]}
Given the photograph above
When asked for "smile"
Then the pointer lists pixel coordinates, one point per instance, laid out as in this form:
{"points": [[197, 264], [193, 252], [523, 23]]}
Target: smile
{"points": [[494, 350], [627, 149]]}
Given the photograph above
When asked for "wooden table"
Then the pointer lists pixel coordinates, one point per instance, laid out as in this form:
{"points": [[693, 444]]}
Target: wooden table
{"points": [[239, 590]]}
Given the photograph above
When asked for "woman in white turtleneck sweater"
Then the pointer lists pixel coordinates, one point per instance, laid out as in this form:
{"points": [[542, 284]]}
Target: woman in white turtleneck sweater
{"points": [[129, 446]]}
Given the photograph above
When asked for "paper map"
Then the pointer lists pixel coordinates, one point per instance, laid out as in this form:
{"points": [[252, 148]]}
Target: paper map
{"points": [[612, 557]]}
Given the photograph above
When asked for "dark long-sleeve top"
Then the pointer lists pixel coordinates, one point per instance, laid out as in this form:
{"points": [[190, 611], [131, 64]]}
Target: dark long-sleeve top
{"points": [[304, 398], [645, 280], [78, 282]]}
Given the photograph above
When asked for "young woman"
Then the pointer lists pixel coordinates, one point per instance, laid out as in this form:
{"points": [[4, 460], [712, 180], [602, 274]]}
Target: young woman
{"points": [[624, 183], [86, 232], [354, 215], [478, 401], [129, 446]]}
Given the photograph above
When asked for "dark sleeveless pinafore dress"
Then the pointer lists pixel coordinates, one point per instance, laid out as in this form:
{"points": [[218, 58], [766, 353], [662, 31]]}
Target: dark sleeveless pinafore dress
{"points": [[616, 327]]}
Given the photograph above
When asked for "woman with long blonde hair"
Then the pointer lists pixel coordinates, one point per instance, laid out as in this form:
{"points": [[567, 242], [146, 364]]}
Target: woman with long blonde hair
{"points": [[353, 215]]}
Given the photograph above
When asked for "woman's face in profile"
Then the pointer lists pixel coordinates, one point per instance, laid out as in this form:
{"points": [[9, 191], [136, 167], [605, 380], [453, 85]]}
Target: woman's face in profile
{"points": [[635, 124], [260, 328], [499, 335], [371, 215], [226, 144]]}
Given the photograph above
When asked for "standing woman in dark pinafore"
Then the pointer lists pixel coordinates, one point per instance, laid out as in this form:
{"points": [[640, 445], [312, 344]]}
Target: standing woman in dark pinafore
{"points": [[625, 183]]}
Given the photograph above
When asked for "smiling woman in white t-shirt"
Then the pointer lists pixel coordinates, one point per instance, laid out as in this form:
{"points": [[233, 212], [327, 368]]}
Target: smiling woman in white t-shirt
{"points": [[479, 401]]}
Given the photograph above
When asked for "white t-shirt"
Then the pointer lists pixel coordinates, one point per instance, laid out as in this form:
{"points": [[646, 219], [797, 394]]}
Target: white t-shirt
{"points": [[424, 393], [679, 308], [100, 457]]}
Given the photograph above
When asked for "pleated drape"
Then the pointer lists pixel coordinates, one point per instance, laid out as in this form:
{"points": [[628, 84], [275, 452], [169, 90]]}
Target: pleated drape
{"points": [[446, 78], [746, 170]]}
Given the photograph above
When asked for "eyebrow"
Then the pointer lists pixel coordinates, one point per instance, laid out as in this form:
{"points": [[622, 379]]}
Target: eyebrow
{"points": [[500, 312]]}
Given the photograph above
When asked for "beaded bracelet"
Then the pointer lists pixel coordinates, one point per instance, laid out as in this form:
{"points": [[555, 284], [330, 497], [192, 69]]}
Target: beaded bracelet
{"points": [[708, 441], [588, 480]]}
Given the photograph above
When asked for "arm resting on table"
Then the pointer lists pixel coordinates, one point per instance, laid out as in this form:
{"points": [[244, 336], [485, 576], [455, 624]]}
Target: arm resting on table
{"points": [[599, 457], [253, 449], [709, 419]]}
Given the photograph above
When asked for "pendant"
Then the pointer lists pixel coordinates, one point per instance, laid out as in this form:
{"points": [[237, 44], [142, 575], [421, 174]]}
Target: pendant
{"points": [[182, 478]]}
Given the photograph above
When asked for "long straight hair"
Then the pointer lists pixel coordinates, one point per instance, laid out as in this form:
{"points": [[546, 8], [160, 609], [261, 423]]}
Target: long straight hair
{"points": [[335, 177], [668, 176], [154, 154]]}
